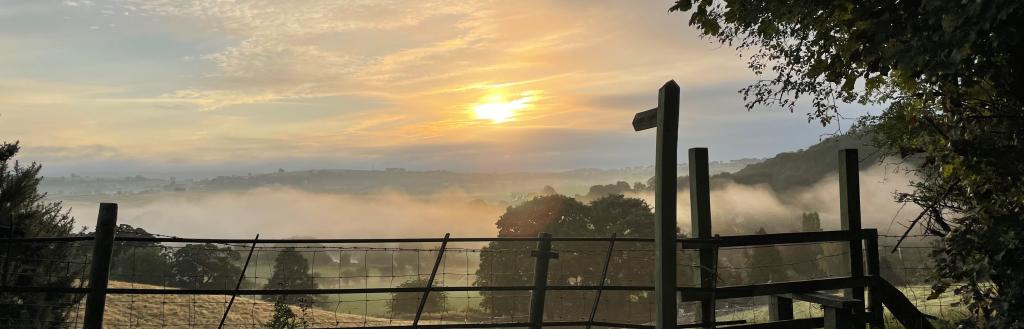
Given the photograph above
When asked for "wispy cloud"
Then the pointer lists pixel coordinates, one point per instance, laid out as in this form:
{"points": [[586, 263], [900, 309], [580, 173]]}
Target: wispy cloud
{"points": [[212, 80]]}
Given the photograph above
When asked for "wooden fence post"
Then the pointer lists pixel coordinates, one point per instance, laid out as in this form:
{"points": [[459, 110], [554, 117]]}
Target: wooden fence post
{"points": [[103, 245], [875, 319], [849, 209], [700, 220], [540, 279], [780, 308]]}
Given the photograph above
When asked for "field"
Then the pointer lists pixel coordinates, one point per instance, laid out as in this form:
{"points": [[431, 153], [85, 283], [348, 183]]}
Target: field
{"points": [[181, 311], [942, 308]]}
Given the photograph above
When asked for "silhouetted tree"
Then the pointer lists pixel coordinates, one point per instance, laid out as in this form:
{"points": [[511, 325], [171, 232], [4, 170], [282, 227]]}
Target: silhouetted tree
{"points": [[509, 263], [24, 213], [139, 262], [949, 76], [406, 303], [291, 271], [205, 266], [806, 259], [766, 263]]}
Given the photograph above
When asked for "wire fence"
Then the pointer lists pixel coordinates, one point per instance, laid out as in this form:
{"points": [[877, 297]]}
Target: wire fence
{"points": [[169, 282]]}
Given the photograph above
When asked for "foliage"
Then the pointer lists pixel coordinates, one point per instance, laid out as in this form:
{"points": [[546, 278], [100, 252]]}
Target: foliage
{"points": [[406, 303], [205, 266], [292, 271], [139, 262], [766, 262], [24, 213], [950, 75], [599, 191], [285, 318], [806, 259], [509, 262]]}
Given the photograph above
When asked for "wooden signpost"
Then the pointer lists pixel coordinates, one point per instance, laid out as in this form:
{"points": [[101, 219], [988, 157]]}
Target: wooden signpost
{"points": [[666, 119]]}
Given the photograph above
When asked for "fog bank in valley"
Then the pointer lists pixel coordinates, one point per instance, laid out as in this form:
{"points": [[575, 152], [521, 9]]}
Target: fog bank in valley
{"points": [[281, 212], [741, 209], [286, 212]]}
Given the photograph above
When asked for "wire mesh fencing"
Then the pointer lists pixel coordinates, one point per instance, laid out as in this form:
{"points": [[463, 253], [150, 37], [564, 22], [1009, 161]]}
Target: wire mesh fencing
{"points": [[167, 282]]}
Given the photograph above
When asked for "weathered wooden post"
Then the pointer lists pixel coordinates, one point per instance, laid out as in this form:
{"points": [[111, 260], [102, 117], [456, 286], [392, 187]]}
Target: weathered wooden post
{"points": [[103, 245], [849, 209], [780, 308], [666, 119], [540, 279], [700, 220], [876, 319]]}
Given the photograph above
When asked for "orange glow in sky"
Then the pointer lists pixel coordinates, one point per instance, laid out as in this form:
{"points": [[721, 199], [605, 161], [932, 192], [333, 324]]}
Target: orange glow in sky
{"points": [[496, 109]]}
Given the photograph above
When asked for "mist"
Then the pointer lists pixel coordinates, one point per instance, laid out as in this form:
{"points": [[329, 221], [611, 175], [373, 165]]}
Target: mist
{"points": [[278, 212], [742, 209], [282, 212]]}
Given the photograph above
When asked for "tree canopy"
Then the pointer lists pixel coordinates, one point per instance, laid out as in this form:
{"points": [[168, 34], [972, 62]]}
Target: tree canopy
{"points": [[24, 213], [579, 263], [949, 76], [406, 303], [205, 266], [292, 271]]}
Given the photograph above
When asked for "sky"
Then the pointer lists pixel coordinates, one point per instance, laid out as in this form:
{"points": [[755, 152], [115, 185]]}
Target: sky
{"points": [[133, 86]]}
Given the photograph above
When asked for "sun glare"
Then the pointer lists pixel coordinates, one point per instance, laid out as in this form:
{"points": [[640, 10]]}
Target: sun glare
{"points": [[498, 111]]}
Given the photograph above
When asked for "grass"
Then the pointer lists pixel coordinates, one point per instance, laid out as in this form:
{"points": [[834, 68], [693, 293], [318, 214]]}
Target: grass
{"points": [[942, 308], [358, 310], [205, 311]]}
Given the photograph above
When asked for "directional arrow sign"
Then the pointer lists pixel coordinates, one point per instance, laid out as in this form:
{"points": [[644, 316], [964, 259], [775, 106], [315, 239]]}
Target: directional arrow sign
{"points": [[646, 120]]}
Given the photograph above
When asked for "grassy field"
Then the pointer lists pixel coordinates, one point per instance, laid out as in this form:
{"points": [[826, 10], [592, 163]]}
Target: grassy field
{"points": [[942, 308], [358, 310], [182, 311]]}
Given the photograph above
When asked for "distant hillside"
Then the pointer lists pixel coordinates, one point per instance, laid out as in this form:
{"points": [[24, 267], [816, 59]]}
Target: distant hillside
{"points": [[785, 170], [804, 167]]}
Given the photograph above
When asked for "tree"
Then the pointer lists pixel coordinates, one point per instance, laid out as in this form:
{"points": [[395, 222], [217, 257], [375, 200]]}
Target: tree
{"points": [[285, 318], [24, 214], [406, 303], [579, 263], [140, 262], [806, 259], [291, 271], [205, 266], [766, 263], [950, 77]]}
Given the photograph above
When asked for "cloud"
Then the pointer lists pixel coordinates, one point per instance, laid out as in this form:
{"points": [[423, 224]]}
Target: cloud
{"points": [[213, 81]]}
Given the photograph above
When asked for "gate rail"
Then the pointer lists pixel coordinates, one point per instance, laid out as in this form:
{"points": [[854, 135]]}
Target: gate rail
{"points": [[685, 294]]}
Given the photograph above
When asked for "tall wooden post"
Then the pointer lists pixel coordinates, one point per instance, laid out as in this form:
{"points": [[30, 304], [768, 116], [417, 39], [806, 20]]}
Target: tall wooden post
{"points": [[849, 209], [700, 221], [665, 206], [103, 246], [666, 119]]}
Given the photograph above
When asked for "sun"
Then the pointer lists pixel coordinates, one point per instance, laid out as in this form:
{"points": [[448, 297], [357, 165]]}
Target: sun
{"points": [[496, 109]]}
